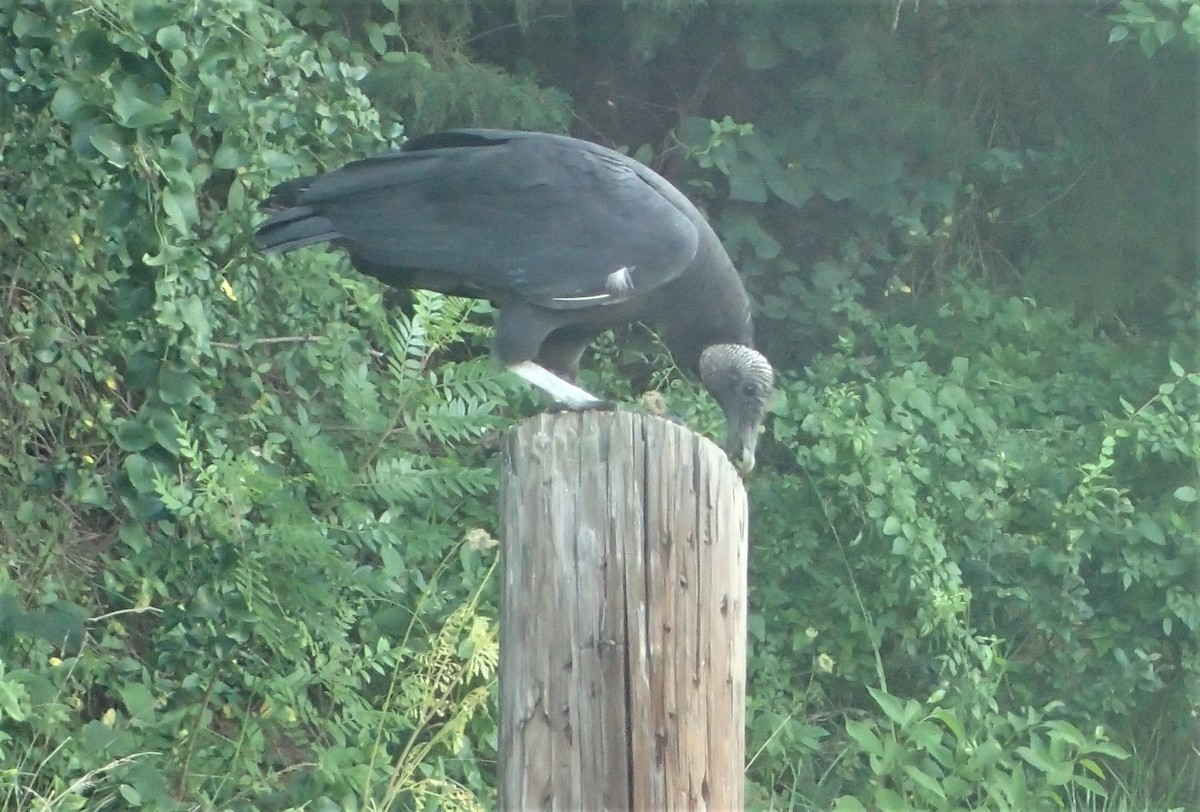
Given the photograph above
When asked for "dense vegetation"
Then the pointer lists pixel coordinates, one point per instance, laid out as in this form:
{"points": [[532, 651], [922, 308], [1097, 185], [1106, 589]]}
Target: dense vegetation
{"points": [[248, 503]]}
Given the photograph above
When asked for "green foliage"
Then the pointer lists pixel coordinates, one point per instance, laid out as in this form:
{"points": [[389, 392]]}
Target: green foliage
{"points": [[925, 756], [247, 551], [422, 66], [921, 147], [1156, 23], [972, 516], [440, 688], [464, 94], [232, 479]]}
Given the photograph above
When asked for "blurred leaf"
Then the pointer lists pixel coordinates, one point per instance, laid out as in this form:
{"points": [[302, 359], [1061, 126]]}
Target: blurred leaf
{"points": [[746, 183], [138, 104]]}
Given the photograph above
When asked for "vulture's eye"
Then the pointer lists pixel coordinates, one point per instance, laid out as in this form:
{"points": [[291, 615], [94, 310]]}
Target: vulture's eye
{"points": [[750, 389]]}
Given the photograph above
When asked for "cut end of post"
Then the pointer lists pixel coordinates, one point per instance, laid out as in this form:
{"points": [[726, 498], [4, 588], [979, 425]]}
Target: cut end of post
{"points": [[659, 434]]}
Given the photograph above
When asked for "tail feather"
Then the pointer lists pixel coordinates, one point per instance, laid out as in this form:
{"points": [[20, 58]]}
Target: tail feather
{"points": [[293, 228]]}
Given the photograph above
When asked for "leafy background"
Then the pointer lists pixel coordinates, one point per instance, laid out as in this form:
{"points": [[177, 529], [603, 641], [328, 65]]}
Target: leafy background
{"points": [[249, 502]]}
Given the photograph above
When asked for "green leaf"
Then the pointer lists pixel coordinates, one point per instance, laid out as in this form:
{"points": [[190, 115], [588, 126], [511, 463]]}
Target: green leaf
{"points": [[1191, 23], [746, 183], [27, 25], [861, 732], [180, 207], [1148, 42], [138, 700], [138, 104], [739, 228], [1186, 493], [836, 186], [1150, 530], [151, 15], [393, 562], [61, 623], [141, 473], [194, 315], [171, 37], [109, 140], [1165, 30], [229, 157], [928, 736], [900, 712], [925, 781], [164, 427], [1037, 758], [375, 38], [887, 800], [1109, 749], [951, 722], [92, 492], [1091, 785], [177, 385], [13, 696], [1091, 766], [1067, 732], [1061, 774], [66, 104], [237, 195], [847, 803], [133, 435], [920, 400], [953, 396], [141, 371], [792, 185], [97, 737], [1137, 11]]}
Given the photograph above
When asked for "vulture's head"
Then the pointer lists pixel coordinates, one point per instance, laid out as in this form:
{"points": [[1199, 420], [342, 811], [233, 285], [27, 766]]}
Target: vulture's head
{"points": [[740, 379]]}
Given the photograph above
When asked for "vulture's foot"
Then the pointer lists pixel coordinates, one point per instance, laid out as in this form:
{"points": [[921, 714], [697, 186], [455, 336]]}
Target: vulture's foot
{"points": [[568, 395]]}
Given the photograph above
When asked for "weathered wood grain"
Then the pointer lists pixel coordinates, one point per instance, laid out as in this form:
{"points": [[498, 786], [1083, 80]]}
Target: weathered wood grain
{"points": [[623, 617]]}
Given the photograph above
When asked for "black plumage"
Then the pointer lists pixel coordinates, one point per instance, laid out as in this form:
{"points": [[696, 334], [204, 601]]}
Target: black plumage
{"points": [[567, 238]]}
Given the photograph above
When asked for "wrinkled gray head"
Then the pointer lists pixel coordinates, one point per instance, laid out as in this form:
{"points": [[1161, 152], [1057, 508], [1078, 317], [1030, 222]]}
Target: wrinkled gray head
{"points": [[740, 379]]}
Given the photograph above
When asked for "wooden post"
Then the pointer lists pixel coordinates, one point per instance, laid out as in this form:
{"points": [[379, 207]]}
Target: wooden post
{"points": [[623, 617]]}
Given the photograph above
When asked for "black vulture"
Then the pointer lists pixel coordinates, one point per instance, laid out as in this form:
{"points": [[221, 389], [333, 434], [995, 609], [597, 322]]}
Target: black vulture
{"points": [[565, 237]]}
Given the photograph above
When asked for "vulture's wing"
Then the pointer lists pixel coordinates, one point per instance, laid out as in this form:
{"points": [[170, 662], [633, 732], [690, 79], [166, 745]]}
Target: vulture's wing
{"points": [[546, 219]]}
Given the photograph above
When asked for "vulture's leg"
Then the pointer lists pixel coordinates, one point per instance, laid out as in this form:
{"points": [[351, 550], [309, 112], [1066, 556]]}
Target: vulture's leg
{"points": [[520, 332], [565, 392], [562, 349]]}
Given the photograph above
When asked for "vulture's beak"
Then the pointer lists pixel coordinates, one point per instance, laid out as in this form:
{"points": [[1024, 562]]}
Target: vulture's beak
{"points": [[742, 438]]}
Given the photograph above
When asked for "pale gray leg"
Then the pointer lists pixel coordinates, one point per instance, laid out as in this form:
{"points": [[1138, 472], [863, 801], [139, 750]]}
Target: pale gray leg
{"points": [[566, 393]]}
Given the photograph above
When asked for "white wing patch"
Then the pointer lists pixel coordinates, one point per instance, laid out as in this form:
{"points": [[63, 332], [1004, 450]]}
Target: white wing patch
{"points": [[619, 282], [618, 286]]}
